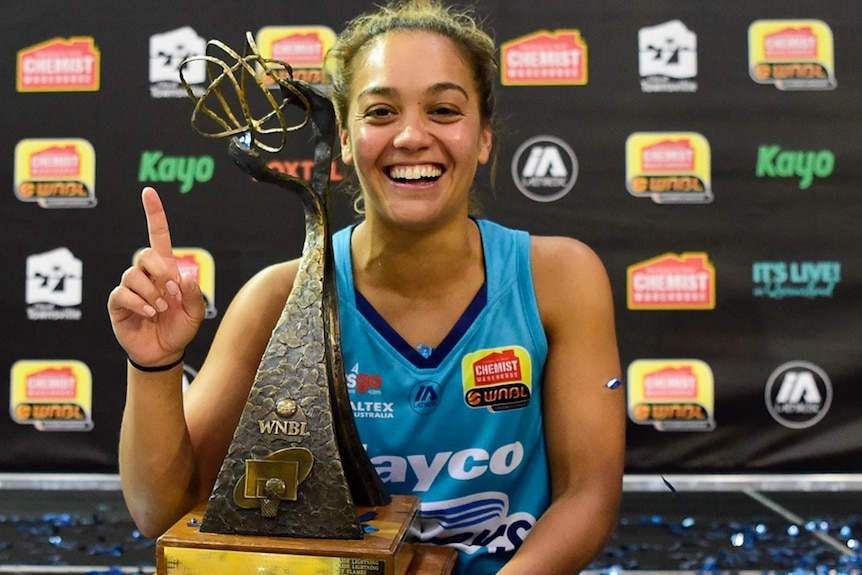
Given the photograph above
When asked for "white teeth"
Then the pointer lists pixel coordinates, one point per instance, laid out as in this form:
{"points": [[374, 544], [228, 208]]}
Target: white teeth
{"points": [[414, 172]]}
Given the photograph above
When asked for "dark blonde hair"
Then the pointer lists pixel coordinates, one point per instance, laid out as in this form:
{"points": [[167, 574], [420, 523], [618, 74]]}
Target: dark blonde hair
{"points": [[459, 25]]}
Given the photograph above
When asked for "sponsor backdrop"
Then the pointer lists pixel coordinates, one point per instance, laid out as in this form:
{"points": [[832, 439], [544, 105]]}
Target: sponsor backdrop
{"points": [[710, 152]]}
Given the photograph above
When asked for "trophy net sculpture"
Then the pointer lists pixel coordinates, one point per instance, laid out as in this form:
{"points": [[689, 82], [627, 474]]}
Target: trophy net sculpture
{"points": [[295, 466]]}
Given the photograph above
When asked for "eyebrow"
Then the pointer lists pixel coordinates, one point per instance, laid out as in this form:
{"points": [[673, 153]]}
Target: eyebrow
{"points": [[435, 89]]}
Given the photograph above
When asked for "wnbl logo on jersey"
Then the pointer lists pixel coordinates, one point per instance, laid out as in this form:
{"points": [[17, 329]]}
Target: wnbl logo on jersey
{"points": [[474, 522]]}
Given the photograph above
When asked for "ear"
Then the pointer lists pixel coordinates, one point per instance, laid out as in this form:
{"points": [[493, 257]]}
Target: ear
{"points": [[346, 150], [486, 143]]}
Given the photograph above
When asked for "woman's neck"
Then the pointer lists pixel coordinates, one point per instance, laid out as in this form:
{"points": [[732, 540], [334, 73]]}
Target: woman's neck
{"points": [[414, 262]]}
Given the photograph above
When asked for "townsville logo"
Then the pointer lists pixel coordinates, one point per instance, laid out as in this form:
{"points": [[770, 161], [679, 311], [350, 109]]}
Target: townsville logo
{"points": [[773, 162], [54, 285], [544, 168], [187, 170], [167, 51], [667, 58]]}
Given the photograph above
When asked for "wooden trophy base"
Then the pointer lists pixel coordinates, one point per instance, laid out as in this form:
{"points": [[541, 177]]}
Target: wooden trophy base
{"points": [[387, 549]]}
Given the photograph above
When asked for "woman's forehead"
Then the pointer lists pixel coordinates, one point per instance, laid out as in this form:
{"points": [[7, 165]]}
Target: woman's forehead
{"points": [[411, 57]]}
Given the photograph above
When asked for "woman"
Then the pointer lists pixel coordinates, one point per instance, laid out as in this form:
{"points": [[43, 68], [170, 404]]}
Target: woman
{"points": [[492, 347]]}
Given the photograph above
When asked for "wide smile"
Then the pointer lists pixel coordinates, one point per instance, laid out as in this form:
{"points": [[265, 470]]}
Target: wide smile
{"points": [[416, 173]]}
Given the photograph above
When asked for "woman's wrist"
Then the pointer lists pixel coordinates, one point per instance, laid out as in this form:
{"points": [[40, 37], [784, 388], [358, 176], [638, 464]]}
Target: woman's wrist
{"points": [[157, 368]]}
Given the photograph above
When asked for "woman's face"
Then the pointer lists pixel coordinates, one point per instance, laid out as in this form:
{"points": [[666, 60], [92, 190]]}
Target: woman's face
{"points": [[413, 129]]}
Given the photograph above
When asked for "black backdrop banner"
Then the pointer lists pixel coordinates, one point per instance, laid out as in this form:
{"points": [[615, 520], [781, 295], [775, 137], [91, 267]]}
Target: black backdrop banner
{"points": [[706, 150]]}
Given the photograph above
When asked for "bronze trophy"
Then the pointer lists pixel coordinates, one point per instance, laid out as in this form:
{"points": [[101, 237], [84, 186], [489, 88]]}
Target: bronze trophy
{"points": [[297, 493]]}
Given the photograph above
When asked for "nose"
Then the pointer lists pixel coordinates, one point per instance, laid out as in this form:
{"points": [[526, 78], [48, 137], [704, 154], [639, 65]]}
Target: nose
{"points": [[413, 133]]}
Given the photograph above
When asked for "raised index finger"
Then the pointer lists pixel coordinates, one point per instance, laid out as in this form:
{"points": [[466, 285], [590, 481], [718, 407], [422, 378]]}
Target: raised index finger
{"points": [[157, 223]]}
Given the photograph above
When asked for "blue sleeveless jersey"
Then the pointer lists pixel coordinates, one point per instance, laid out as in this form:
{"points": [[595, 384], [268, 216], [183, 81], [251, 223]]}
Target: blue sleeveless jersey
{"points": [[461, 428]]}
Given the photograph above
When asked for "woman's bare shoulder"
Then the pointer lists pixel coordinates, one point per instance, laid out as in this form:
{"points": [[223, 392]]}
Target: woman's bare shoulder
{"points": [[568, 275]]}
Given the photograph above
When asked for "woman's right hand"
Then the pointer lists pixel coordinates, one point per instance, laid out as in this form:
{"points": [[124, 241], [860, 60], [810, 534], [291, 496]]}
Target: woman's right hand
{"points": [[155, 311]]}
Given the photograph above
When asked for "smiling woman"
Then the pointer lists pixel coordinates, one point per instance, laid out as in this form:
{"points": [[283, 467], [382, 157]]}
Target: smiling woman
{"points": [[489, 348]]}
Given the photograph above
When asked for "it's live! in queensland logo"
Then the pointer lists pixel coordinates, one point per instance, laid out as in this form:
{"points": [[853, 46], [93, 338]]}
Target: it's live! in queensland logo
{"points": [[498, 379], [672, 281]]}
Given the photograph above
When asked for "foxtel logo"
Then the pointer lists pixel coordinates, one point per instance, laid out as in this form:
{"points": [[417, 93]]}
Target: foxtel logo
{"points": [[671, 281]]}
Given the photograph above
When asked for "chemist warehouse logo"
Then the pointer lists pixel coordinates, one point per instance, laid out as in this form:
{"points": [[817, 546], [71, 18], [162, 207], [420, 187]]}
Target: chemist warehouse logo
{"points": [[199, 263], [304, 48], [671, 281], [59, 65], [545, 59], [56, 173], [498, 379], [669, 167], [55, 395], [798, 394], [792, 54], [544, 168]]}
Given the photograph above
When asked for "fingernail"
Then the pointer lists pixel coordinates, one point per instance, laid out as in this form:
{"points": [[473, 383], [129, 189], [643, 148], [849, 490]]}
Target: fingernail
{"points": [[171, 287], [149, 310], [161, 304]]}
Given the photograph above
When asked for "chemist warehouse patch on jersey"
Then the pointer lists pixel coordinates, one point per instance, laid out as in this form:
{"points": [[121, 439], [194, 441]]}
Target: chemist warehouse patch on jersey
{"points": [[499, 378]]}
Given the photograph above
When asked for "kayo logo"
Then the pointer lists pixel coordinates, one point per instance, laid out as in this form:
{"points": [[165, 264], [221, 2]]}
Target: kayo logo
{"points": [[773, 162], [544, 168], [157, 167]]}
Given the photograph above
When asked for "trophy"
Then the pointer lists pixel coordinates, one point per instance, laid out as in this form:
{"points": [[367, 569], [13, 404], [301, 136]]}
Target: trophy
{"points": [[296, 492]]}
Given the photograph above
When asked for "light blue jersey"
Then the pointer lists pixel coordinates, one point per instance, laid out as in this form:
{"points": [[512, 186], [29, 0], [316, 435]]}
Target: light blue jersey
{"points": [[461, 428]]}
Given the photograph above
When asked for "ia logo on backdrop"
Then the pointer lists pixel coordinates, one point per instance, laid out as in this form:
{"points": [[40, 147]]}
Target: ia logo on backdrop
{"points": [[544, 168], [798, 394]]}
